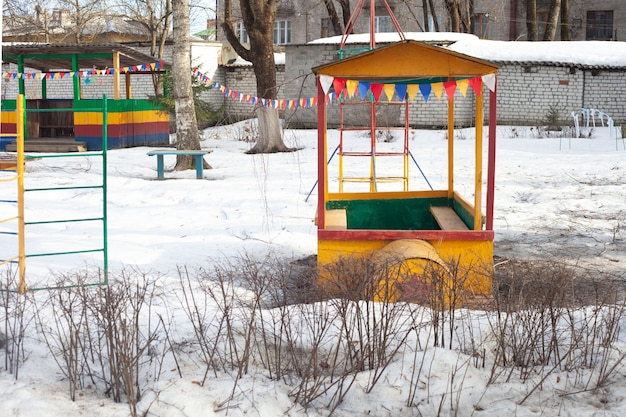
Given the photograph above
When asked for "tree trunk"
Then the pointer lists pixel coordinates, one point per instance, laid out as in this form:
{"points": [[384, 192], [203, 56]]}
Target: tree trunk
{"points": [[333, 16], [345, 11], [258, 18], [565, 20], [187, 137], [531, 20], [425, 9], [270, 137], [434, 14], [455, 15], [553, 20]]}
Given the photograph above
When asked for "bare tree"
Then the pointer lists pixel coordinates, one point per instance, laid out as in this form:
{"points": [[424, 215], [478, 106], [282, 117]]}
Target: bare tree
{"points": [[531, 20], [425, 9], [459, 12], [565, 28], [258, 18], [154, 17], [70, 21], [187, 136], [80, 13], [553, 20], [334, 16], [433, 13]]}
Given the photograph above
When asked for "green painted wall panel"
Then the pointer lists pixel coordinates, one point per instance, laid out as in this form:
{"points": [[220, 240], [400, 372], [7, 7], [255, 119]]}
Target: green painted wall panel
{"points": [[389, 214]]}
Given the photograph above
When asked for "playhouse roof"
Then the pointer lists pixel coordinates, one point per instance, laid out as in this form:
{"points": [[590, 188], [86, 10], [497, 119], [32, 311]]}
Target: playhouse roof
{"points": [[46, 57], [407, 61]]}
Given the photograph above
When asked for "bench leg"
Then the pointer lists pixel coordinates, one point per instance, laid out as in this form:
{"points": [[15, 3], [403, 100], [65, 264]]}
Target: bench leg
{"points": [[199, 167], [160, 167]]}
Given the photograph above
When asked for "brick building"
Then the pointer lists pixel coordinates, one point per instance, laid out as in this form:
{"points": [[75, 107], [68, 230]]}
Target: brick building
{"points": [[300, 21]]}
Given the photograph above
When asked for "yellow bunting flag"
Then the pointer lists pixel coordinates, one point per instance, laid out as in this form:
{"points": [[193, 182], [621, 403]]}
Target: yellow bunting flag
{"points": [[411, 91], [351, 86], [389, 90], [462, 86]]}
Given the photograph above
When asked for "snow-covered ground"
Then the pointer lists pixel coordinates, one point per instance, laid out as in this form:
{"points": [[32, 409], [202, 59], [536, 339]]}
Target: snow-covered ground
{"points": [[556, 198]]}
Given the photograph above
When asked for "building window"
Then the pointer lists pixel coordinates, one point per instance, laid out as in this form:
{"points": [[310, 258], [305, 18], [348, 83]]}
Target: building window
{"points": [[282, 32], [600, 25], [383, 24], [241, 32], [480, 24]]}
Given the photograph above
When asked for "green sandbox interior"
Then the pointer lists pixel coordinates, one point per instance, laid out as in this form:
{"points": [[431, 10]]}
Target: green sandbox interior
{"points": [[397, 213]]}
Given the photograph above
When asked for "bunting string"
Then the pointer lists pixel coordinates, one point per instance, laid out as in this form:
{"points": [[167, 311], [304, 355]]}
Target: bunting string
{"points": [[343, 88], [85, 73]]}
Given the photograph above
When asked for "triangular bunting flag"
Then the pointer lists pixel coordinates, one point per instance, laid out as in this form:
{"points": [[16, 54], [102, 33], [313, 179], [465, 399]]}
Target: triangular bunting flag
{"points": [[425, 90], [351, 87], [363, 89], [401, 91], [437, 89], [450, 87], [376, 90], [490, 81], [412, 91], [462, 86], [477, 85], [389, 90], [339, 84], [326, 81]]}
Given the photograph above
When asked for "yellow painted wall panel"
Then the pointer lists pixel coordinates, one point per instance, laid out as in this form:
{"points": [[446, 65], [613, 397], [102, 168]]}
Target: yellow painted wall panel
{"points": [[8, 116]]}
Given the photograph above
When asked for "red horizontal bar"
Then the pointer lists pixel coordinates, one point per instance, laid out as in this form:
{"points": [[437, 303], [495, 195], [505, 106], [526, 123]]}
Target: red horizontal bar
{"points": [[405, 234]]}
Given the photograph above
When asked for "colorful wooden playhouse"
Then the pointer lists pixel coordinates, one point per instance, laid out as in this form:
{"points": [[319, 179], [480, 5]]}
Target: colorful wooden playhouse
{"points": [[62, 122], [417, 228]]}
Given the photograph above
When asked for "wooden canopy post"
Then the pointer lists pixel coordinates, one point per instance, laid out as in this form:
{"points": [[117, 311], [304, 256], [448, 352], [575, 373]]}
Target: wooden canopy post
{"points": [[129, 94], [20, 80], [322, 167], [478, 176], [116, 75], [451, 147], [491, 165], [76, 80]]}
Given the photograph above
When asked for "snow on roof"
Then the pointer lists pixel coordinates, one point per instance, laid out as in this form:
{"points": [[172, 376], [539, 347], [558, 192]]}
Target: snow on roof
{"points": [[279, 59], [577, 53]]}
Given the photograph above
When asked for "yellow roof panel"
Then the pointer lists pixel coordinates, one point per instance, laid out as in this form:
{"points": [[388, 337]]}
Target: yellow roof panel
{"points": [[407, 59]]}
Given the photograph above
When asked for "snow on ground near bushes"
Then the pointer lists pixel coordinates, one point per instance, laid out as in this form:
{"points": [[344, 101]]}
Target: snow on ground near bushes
{"points": [[555, 199]]}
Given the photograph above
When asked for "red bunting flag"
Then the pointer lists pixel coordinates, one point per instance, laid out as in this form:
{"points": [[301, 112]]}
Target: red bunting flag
{"points": [[450, 87], [477, 84], [339, 85], [376, 90]]}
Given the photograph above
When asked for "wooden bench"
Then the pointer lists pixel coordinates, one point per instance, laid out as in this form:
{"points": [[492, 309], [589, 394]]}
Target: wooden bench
{"points": [[447, 219], [161, 153], [336, 219]]}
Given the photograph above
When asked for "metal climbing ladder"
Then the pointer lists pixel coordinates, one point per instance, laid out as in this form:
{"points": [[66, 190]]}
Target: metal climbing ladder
{"points": [[20, 223], [372, 104], [370, 149]]}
